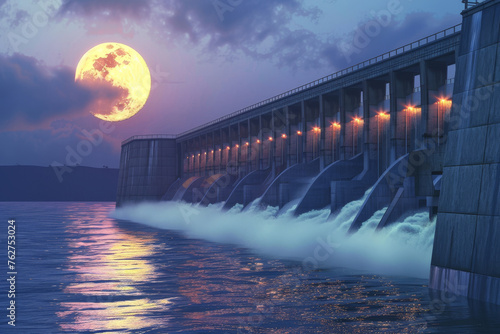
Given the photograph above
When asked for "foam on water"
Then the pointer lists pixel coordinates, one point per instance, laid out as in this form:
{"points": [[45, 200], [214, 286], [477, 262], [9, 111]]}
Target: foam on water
{"points": [[403, 248]]}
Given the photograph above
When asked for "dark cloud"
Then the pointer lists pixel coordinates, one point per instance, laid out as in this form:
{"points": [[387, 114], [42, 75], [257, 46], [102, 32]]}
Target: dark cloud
{"points": [[31, 93], [109, 8], [359, 46], [260, 29]]}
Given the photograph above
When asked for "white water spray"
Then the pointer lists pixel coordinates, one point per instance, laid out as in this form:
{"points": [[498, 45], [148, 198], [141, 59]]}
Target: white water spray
{"points": [[403, 248]]}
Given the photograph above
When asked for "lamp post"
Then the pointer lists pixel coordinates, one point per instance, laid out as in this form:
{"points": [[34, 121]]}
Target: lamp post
{"points": [[443, 104], [270, 151], [247, 158], [335, 126], [378, 144], [407, 110], [220, 160], [257, 155], [237, 157], [380, 116], [316, 131], [356, 122], [299, 133], [283, 138], [212, 164]]}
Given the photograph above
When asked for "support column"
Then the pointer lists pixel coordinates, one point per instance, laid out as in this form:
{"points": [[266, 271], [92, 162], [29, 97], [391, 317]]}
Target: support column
{"points": [[261, 143], [366, 125], [272, 146], [343, 123], [303, 129], [249, 148], [322, 134], [288, 137], [238, 152], [424, 100], [401, 86], [432, 78], [374, 124]]}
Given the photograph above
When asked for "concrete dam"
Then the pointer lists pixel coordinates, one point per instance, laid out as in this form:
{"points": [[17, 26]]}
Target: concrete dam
{"points": [[414, 129]]}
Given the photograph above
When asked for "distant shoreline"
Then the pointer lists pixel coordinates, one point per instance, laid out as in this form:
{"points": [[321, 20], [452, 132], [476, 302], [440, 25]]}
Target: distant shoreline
{"points": [[40, 184]]}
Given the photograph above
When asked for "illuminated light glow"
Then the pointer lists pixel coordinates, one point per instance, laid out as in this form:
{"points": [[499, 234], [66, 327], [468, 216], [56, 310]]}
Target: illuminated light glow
{"points": [[205, 153], [444, 101], [237, 146], [199, 154], [227, 148], [270, 138], [258, 141], [299, 133], [336, 125], [247, 143], [120, 67], [220, 149], [192, 156], [357, 120], [413, 109], [384, 115], [283, 136], [316, 129], [212, 151]]}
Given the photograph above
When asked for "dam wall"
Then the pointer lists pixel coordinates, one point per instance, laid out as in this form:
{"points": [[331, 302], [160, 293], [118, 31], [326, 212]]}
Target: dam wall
{"points": [[466, 253], [148, 166]]}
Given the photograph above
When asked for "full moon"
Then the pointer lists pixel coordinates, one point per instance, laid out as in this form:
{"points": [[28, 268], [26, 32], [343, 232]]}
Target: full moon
{"points": [[125, 70]]}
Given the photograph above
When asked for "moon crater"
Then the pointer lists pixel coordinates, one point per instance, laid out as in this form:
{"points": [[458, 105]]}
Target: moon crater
{"points": [[124, 69]]}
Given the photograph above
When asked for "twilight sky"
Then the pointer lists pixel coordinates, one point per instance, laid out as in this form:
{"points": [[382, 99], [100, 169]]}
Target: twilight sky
{"points": [[207, 58]]}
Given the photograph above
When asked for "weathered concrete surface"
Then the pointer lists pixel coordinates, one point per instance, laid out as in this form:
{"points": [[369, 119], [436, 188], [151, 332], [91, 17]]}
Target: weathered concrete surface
{"points": [[318, 193], [466, 254], [147, 168]]}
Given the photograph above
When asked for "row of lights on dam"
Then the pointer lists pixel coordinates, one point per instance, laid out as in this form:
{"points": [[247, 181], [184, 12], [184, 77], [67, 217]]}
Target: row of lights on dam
{"points": [[382, 115]]}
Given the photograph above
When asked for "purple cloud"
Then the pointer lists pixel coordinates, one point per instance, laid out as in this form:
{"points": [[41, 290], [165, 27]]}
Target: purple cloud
{"points": [[31, 93]]}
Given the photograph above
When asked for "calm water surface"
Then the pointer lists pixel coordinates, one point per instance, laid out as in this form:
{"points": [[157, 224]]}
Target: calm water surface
{"points": [[80, 271]]}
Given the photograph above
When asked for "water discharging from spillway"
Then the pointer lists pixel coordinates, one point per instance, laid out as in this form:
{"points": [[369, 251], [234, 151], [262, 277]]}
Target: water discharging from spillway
{"points": [[403, 248]]}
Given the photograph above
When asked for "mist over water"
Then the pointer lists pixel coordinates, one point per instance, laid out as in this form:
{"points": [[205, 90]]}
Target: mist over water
{"points": [[313, 238]]}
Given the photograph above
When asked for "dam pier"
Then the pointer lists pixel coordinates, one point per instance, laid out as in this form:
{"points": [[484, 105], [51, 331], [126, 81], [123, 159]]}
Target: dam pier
{"points": [[418, 126]]}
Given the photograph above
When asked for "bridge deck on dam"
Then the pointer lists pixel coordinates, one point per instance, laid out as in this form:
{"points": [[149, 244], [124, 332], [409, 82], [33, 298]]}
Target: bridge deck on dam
{"points": [[436, 46]]}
